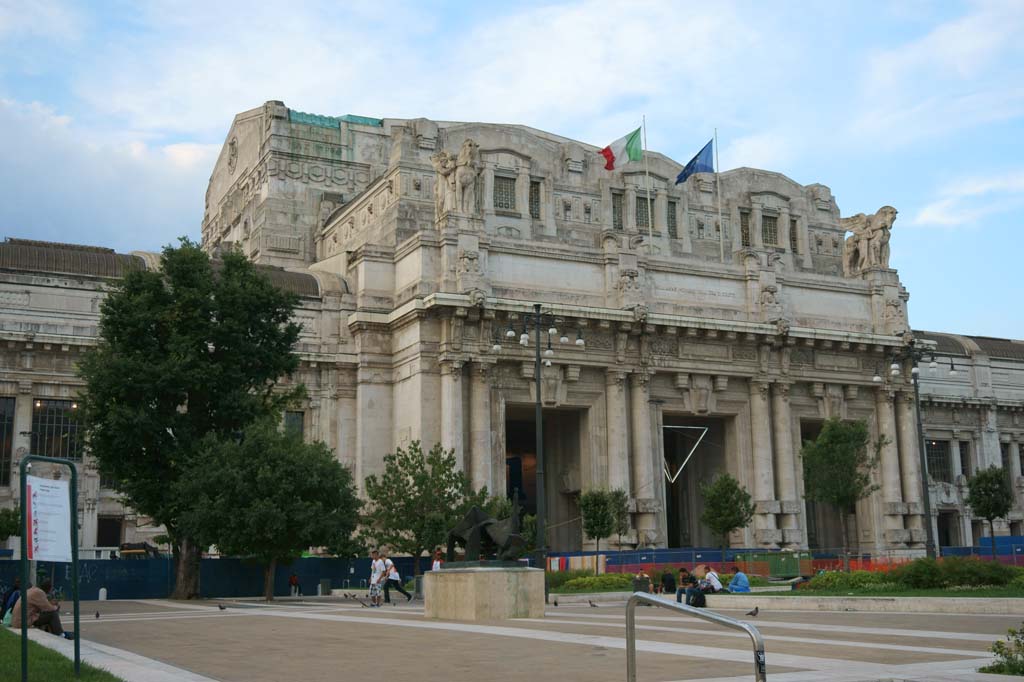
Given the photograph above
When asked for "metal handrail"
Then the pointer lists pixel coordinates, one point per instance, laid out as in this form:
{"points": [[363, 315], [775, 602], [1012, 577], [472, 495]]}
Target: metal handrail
{"points": [[703, 614]]}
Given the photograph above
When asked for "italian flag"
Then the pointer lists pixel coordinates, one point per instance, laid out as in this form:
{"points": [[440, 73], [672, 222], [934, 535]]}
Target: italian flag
{"points": [[623, 150]]}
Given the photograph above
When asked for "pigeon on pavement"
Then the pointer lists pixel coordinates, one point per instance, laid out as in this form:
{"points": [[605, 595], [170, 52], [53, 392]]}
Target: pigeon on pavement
{"points": [[592, 603], [754, 612], [97, 615], [222, 607], [556, 602]]}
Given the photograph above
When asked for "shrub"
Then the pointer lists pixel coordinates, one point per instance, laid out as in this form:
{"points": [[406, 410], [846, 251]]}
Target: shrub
{"points": [[597, 583], [855, 580], [920, 574], [974, 572], [558, 578], [1009, 654]]}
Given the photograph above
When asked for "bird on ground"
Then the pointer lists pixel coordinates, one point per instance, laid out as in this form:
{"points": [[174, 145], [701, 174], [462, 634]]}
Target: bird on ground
{"points": [[754, 612], [556, 602], [97, 615], [222, 607], [592, 603]]}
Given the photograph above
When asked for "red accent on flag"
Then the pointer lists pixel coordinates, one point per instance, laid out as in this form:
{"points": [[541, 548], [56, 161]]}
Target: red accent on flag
{"points": [[610, 158], [28, 520]]}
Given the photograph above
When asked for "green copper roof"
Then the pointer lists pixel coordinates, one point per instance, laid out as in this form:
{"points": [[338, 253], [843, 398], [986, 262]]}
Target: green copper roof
{"points": [[331, 121]]}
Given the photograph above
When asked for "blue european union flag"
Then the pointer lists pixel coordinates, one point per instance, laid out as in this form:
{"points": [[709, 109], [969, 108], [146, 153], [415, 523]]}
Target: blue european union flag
{"points": [[702, 163]]}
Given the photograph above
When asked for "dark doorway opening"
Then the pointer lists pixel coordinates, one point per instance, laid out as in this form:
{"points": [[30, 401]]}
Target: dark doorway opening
{"points": [[683, 502], [949, 529], [109, 531], [561, 470]]}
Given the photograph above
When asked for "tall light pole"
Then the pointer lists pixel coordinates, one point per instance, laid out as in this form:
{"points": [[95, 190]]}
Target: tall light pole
{"points": [[539, 320], [915, 355]]}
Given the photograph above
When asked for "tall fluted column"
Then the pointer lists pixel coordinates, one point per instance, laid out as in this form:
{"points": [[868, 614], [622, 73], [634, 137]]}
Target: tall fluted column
{"points": [[785, 464], [629, 210], [451, 410], [643, 458], [755, 227], [892, 492], [783, 229], [480, 429], [910, 465], [766, 506], [1015, 471], [617, 428]]}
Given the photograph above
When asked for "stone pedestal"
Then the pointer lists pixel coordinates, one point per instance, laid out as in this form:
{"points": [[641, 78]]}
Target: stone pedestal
{"points": [[479, 593]]}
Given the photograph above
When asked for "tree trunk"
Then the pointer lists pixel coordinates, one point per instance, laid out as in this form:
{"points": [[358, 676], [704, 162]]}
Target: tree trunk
{"points": [[416, 562], [268, 580], [846, 551], [186, 569], [992, 533]]}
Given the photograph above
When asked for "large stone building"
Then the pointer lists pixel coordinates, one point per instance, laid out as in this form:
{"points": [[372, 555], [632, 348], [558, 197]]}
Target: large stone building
{"points": [[419, 249]]}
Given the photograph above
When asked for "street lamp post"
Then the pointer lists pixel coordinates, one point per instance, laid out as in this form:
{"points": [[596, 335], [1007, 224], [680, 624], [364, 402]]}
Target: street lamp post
{"points": [[539, 319], [915, 355]]}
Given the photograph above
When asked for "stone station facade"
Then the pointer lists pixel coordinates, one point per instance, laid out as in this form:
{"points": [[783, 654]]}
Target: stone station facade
{"points": [[419, 249]]}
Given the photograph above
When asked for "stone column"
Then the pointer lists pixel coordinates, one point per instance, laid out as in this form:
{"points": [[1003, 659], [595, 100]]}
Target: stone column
{"points": [[1015, 472], [954, 452], [547, 207], [784, 230], [661, 213], [766, 506], [629, 210], [90, 521], [617, 429], [805, 242], [892, 492], [488, 198], [480, 428], [643, 457], [910, 465], [755, 227], [523, 191], [451, 409], [683, 221], [785, 463]]}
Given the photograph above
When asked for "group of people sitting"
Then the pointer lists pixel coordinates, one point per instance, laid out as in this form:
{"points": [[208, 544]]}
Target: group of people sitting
{"points": [[43, 612], [703, 580]]}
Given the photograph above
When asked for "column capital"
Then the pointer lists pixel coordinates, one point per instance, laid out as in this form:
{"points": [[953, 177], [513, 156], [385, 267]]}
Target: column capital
{"points": [[781, 389], [640, 379], [759, 387], [451, 366], [615, 377], [885, 393]]}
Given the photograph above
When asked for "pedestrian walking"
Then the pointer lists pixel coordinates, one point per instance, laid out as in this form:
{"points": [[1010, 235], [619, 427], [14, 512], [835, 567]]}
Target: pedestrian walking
{"points": [[376, 578], [393, 581], [293, 585]]}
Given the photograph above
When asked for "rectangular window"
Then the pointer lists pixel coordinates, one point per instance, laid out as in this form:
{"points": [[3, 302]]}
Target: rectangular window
{"points": [[700, 229], [108, 531], [965, 458], [504, 193], [586, 213], [793, 241], [673, 227], [939, 465], [294, 422], [643, 215], [770, 230], [55, 429], [534, 199], [6, 439], [1004, 450], [616, 211], [744, 228]]}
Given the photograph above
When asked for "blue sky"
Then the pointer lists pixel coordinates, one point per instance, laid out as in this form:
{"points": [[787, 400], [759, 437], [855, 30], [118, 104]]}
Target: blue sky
{"points": [[112, 113]]}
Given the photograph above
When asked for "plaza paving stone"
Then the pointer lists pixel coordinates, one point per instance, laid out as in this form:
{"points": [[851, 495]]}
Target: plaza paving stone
{"points": [[251, 641]]}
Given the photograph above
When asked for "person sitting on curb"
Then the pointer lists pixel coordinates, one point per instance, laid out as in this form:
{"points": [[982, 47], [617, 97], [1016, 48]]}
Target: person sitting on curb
{"points": [[740, 582], [41, 613]]}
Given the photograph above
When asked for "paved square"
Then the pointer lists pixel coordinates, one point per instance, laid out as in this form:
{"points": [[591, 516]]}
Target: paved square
{"points": [[322, 639]]}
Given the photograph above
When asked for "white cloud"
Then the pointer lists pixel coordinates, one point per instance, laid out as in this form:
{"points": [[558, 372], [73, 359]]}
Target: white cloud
{"points": [[966, 202], [20, 19], [770, 150]]}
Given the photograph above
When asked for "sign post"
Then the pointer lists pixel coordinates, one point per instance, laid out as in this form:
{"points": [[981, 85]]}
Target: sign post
{"points": [[49, 509]]}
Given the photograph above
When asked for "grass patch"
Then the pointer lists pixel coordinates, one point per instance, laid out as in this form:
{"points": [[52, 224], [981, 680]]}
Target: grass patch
{"points": [[44, 665]]}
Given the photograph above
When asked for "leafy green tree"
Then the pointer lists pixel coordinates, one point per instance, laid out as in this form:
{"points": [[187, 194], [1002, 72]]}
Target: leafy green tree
{"points": [[417, 499], [188, 352], [10, 523], [620, 504], [268, 495], [727, 507], [837, 469], [598, 512], [989, 496]]}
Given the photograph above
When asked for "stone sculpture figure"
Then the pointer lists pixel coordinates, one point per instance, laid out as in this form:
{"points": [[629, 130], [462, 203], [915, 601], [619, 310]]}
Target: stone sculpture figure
{"points": [[444, 188], [467, 170], [868, 246]]}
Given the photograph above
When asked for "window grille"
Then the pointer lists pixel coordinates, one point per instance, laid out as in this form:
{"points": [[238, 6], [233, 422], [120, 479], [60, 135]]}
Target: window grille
{"points": [[55, 429], [617, 211], [793, 241], [769, 230], [534, 199], [939, 465], [643, 217], [673, 227], [586, 213], [965, 458], [744, 228], [701, 233], [504, 193], [294, 422]]}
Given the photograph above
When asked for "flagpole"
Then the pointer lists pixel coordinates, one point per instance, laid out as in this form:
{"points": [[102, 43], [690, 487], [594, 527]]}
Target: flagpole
{"points": [[650, 190], [718, 184]]}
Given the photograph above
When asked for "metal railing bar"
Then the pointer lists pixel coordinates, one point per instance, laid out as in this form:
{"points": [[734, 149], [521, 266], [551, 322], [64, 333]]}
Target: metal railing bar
{"points": [[703, 614]]}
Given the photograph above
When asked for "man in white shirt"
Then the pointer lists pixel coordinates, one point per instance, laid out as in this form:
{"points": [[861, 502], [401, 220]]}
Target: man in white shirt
{"points": [[713, 581], [392, 580], [376, 578]]}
